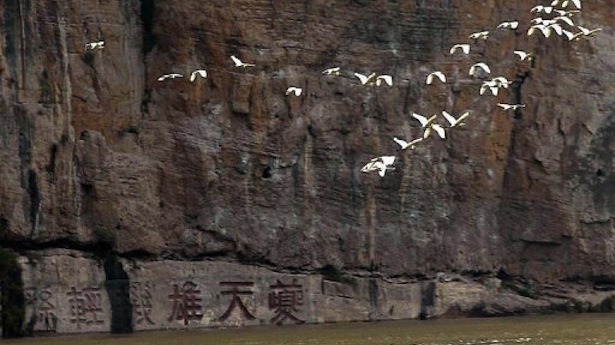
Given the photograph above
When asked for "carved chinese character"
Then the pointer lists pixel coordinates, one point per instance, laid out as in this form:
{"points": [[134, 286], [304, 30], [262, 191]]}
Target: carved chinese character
{"points": [[85, 306], [46, 314], [285, 298], [45, 318], [236, 302], [186, 303], [141, 299]]}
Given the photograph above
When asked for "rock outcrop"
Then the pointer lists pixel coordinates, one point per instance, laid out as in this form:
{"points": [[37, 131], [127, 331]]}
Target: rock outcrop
{"points": [[110, 179]]}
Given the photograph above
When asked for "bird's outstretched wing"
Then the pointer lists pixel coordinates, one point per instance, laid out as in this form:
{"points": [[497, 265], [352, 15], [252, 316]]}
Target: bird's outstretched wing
{"points": [[465, 48], [236, 61]]}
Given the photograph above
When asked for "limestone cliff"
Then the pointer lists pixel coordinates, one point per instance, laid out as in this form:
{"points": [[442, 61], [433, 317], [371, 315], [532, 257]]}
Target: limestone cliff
{"points": [[99, 156]]}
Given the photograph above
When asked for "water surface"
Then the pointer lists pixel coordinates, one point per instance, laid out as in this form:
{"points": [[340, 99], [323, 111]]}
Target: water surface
{"points": [[553, 329]]}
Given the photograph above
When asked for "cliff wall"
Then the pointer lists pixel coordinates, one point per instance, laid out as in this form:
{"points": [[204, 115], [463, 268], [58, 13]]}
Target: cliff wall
{"points": [[102, 161]]}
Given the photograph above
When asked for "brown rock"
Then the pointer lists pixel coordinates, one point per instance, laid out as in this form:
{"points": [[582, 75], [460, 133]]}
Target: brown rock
{"points": [[229, 168]]}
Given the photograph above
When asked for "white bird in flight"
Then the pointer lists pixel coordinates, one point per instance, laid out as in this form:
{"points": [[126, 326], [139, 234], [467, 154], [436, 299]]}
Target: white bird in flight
{"points": [[198, 73], [382, 164], [494, 85], [405, 145], [455, 122], [465, 48], [508, 25], [564, 4], [423, 120], [564, 19], [542, 21], [501, 82], [293, 89], [366, 80], [568, 13], [585, 32], [474, 68], [489, 85], [239, 63], [436, 127], [374, 79], [384, 78], [545, 29], [332, 71], [479, 35], [557, 28], [571, 35], [427, 124], [436, 74], [506, 106], [95, 45], [541, 8], [169, 76], [523, 55]]}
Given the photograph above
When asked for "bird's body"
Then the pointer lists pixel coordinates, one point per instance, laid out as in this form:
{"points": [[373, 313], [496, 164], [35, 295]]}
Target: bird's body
{"points": [[570, 35], [169, 76], [293, 89], [506, 106], [423, 120], [455, 122], [557, 28], [479, 35], [489, 85], [436, 74], [332, 71], [565, 3], [512, 25], [494, 85], [428, 125], [568, 13], [523, 55], [198, 73], [405, 145], [546, 26], [436, 127], [540, 20], [95, 45], [545, 29], [382, 164], [501, 82], [585, 32], [465, 48], [565, 19], [541, 8], [375, 79], [366, 80], [384, 78], [474, 68], [239, 63]]}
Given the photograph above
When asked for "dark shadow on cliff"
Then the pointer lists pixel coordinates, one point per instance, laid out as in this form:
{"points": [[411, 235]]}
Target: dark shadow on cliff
{"points": [[12, 301], [117, 285], [150, 39]]}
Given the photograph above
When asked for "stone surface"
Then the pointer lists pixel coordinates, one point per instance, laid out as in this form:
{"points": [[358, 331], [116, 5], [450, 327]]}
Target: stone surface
{"points": [[65, 293], [96, 153], [68, 291]]}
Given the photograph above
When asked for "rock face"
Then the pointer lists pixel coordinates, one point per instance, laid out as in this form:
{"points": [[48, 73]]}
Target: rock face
{"points": [[125, 172], [68, 292]]}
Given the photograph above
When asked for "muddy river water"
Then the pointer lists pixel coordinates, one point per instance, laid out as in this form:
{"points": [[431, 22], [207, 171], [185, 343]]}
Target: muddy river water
{"points": [[550, 329]]}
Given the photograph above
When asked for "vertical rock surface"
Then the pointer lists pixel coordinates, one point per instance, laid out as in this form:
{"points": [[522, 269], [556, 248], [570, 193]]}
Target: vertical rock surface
{"points": [[98, 155]]}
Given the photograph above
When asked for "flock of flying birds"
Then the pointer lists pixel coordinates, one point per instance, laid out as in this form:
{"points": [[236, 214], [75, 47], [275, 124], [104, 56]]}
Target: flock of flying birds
{"points": [[560, 23]]}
